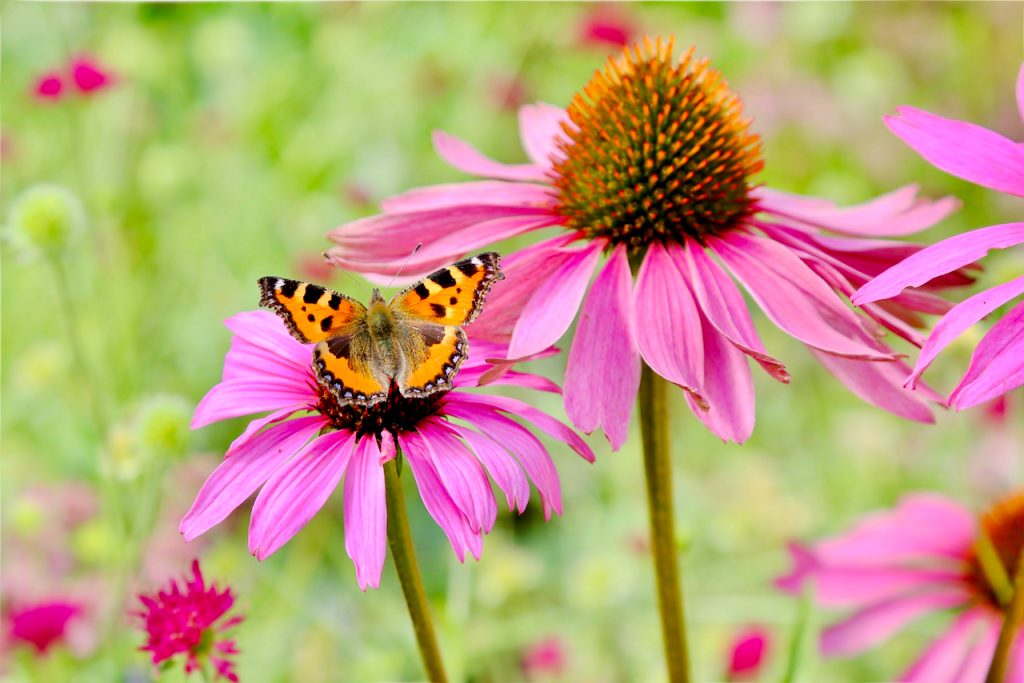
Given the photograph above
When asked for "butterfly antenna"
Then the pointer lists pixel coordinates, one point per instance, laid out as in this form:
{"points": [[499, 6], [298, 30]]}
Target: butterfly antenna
{"points": [[408, 258], [330, 260]]}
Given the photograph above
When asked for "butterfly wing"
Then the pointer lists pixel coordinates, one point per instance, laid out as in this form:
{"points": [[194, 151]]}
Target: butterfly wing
{"points": [[431, 356], [311, 312], [452, 295], [343, 366]]}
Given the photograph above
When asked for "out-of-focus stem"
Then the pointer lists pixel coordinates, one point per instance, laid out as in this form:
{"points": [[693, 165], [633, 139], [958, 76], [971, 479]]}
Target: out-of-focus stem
{"points": [[1013, 615]]}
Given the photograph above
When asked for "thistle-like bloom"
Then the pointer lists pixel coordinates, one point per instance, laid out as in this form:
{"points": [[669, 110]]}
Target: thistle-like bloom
{"points": [[988, 159], [42, 625], [447, 440], [190, 620], [903, 564], [651, 164]]}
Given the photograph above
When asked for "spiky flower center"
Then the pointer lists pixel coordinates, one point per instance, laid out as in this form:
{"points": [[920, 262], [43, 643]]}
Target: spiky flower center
{"points": [[1004, 526], [657, 152], [395, 414]]}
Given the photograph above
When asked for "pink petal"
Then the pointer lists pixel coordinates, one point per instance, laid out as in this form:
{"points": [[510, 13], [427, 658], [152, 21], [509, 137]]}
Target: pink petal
{"points": [[961, 317], [297, 491], [854, 586], [265, 331], [792, 296], [245, 470], [366, 512], [878, 383], [976, 664], [540, 127], [237, 398], [942, 659], [554, 303], [723, 306], [940, 258], [997, 365], [875, 624], [480, 193], [672, 340], [435, 498], [728, 388], [464, 157], [258, 424], [460, 473], [502, 467], [529, 451], [899, 212], [976, 154], [602, 375], [547, 424]]}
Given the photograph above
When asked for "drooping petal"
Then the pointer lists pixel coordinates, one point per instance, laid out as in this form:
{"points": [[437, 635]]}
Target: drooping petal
{"points": [[297, 491], [878, 383], [554, 303], [366, 512], [234, 398], [844, 586], [941, 661], [941, 257], [976, 663], [961, 317], [723, 306], [963, 149], [459, 472], [479, 193], [672, 340], [256, 426], [602, 374], [728, 388], [997, 365], [265, 331], [502, 467], [875, 624], [244, 470], [792, 296], [435, 498], [464, 157], [540, 126]]}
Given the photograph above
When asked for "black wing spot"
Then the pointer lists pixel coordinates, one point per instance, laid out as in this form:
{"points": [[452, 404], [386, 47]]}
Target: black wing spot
{"points": [[467, 268], [453, 301], [439, 310], [325, 324], [288, 288], [335, 301], [443, 278], [312, 294], [311, 317], [421, 291]]}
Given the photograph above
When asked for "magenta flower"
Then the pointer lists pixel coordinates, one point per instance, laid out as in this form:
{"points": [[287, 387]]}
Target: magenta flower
{"points": [[43, 624], [88, 75], [747, 654], [545, 658], [605, 26], [900, 565], [48, 87], [988, 159], [650, 166], [189, 621], [447, 440]]}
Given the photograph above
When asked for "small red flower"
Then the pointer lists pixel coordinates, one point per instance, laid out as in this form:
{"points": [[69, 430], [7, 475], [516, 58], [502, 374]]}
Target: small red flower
{"points": [[747, 653], [43, 624], [185, 621], [49, 86], [89, 75]]}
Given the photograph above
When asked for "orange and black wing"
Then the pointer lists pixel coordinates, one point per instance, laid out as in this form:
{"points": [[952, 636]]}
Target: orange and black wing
{"points": [[432, 355], [342, 367], [452, 295], [311, 312]]}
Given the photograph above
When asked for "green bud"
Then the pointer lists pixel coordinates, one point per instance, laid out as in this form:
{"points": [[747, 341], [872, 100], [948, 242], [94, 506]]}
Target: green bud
{"points": [[45, 218], [162, 426]]}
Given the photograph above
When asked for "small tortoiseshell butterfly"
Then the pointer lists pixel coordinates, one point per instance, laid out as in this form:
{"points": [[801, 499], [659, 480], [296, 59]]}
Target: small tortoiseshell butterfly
{"points": [[414, 340]]}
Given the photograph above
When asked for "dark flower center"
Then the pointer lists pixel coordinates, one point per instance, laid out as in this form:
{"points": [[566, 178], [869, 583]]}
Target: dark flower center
{"points": [[1004, 526], [660, 152], [395, 414]]}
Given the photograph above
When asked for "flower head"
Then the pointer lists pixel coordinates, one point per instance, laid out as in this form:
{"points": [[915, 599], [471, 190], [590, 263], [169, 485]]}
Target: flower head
{"points": [[988, 159], [447, 439], [926, 556], [546, 657], [48, 87], [747, 653], [651, 167], [88, 75], [43, 624], [189, 620], [45, 219]]}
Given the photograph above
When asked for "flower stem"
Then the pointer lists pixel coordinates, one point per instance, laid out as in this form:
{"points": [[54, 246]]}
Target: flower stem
{"points": [[657, 467], [1013, 616], [404, 555]]}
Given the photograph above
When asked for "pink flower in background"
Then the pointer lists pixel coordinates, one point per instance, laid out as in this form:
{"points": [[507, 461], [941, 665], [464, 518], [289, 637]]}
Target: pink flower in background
{"points": [[190, 620], [604, 25], [48, 87], [901, 565], [747, 654], [88, 75], [988, 159], [42, 625], [544, 658], [677, 222], [299, 462]]}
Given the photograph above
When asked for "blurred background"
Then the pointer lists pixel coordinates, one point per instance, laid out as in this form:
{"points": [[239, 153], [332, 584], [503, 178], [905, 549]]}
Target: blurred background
{"points": [[198, 147]]}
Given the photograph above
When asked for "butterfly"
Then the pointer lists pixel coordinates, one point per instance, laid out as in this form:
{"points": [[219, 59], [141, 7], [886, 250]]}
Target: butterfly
{"points": [[415, 340]]}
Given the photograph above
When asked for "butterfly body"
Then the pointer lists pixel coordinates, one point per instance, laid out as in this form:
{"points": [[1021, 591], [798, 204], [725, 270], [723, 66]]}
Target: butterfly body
{"points": [[414, 341]]}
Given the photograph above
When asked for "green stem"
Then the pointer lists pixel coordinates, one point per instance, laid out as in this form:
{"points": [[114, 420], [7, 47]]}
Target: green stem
{"points": [[1013, 616], [653, 400], [404, 556]]}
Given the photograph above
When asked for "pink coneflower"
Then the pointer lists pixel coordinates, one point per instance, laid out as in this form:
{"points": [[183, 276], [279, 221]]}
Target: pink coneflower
{"points": [[747, 654], [918, 559], [299, 462], [43, 624], [48, 87], [988, 159], [190, 621], [651, 166]]}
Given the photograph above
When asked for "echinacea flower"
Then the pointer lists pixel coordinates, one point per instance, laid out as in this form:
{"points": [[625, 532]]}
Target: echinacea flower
{"points": [[444, 438], [42, 625], [651, 165], [190, 620], [985, 158], [918, 559]]}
